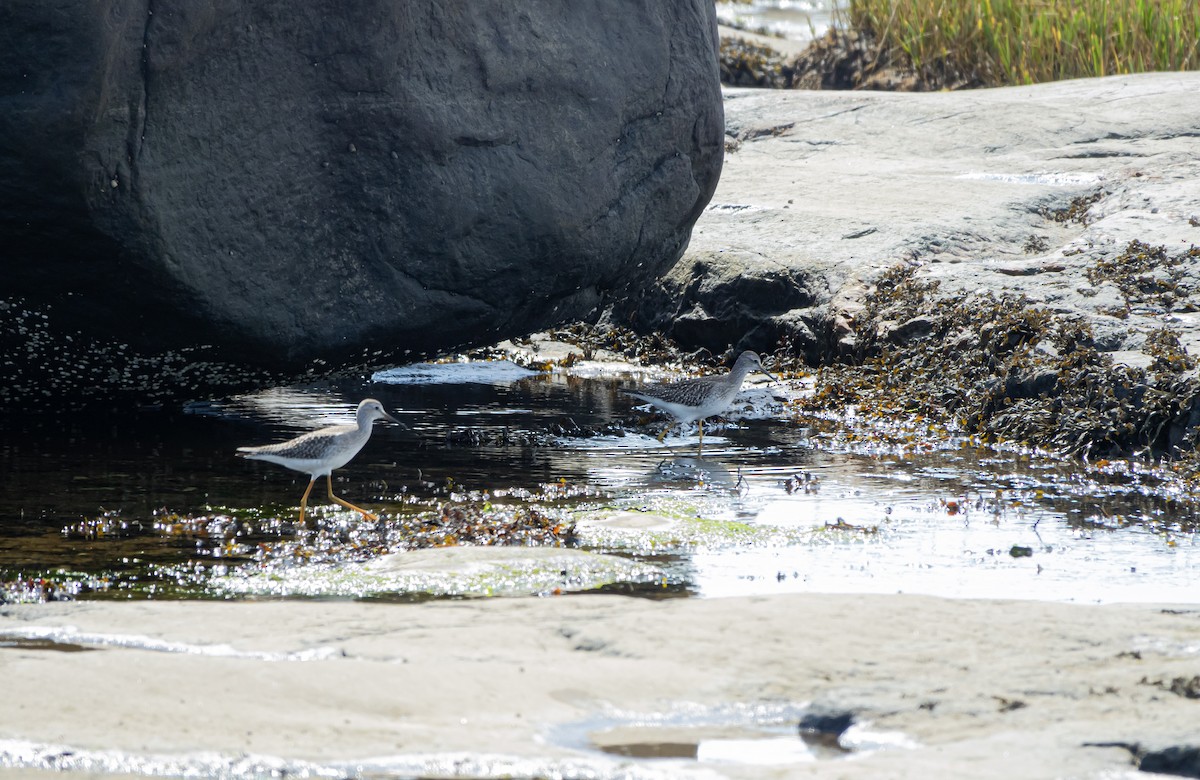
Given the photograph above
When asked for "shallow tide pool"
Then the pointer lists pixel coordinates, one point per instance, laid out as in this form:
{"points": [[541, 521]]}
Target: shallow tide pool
{"points": [[156, 505]]}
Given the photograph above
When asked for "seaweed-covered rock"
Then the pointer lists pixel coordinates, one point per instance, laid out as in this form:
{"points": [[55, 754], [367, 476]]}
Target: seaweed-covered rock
{"points": [[850, 59], [283, 184], [745, 63]]}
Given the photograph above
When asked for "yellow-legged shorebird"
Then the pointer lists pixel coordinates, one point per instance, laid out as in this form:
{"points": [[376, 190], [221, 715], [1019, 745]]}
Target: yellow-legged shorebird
{"points": [[692, 400], [318, 453]]}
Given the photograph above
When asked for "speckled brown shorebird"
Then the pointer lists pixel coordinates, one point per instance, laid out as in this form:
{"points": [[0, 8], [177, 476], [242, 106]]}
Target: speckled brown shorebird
{"points": [[693, 400], [318, 453]]}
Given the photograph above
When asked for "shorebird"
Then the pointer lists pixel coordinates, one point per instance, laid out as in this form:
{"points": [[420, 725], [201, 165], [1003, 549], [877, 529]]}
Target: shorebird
{"points": [[693, 400], [318, 453]]}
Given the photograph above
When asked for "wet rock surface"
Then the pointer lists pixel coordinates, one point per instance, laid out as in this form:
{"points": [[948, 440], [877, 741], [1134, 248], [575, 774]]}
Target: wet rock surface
{"points": [[344, 184]]}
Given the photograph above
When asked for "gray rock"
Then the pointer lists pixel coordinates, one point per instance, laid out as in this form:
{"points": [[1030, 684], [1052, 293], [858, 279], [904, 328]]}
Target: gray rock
{"points": [[828, 189], [826, 719], [287, 183], [732, 299], [1177, 760]]}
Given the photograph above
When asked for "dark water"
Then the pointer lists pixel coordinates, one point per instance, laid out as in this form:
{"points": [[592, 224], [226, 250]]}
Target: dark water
{"points": [[150, 504]]}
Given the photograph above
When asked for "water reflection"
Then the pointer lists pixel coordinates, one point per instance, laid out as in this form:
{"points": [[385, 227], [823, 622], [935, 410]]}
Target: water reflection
{"points": [[799, 20], [769, 508]]}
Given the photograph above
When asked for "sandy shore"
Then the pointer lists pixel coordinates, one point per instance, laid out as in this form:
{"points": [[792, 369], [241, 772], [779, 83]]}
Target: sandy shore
{"points": [[485, 687]]}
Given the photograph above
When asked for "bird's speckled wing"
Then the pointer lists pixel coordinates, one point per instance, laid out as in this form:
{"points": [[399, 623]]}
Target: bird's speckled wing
{"points": [[314, 445], [686, 392]]}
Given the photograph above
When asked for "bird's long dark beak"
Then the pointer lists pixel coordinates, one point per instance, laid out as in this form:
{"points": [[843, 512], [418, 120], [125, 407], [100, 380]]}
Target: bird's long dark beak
{"points": [[393, 419], [768, 374]]}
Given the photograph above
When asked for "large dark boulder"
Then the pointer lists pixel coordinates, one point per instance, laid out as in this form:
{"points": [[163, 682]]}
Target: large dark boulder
{"points": [[261, 183]]}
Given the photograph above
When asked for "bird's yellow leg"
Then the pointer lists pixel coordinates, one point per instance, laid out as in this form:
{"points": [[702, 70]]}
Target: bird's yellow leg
{"points": [[662, 436], [304, 498], [700, 447], [347, 504]]}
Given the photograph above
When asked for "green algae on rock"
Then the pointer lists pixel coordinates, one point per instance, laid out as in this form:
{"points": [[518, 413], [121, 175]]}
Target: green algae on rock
{"points": [[447, 571], [672, 526]]}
